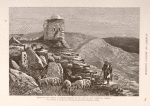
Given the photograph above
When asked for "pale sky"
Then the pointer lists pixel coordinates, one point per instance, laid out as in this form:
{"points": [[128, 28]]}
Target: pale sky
{"points": [[102, 22]]}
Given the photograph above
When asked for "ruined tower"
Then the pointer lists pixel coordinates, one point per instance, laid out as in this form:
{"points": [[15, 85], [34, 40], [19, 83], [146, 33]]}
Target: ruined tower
{"points": [[54, 31], [53, 28]]}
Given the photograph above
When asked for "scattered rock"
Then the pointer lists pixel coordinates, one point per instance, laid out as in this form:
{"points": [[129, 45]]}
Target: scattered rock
{"points": [[68, 57]]}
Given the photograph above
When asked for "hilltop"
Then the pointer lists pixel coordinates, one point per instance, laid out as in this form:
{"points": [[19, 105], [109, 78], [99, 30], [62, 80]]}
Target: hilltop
{"points": [[97, 51]]}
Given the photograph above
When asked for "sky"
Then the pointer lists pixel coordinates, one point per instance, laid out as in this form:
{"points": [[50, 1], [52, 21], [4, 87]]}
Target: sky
{"points": [[94, 21]]}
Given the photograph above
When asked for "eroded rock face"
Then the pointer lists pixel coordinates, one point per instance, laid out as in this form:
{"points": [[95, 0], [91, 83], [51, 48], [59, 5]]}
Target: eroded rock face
{"points": [[53, 70], [61, 71], [22, 84], [33, 59]]}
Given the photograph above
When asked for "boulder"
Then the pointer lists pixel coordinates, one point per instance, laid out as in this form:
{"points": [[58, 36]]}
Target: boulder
{"points": [[43, 52], [66, 53], [34, 60], [68, 57], [75, 78], [22, 84], [43, 60], [77, 63], [64, 63], [17, 59], [57, 58], [70, 53], [34, 73], [78, 58], [60, 68], [53, 70], [14, 65], [61, 71], [49, 57], [15, 50], [13, 40]]}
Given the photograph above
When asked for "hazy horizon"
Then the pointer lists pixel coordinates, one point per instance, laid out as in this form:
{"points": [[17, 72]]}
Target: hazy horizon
{"points": [[95, 21]]}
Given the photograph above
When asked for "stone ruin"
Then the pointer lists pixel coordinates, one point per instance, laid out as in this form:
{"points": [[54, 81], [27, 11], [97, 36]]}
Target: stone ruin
{"points": [[54, 29]]}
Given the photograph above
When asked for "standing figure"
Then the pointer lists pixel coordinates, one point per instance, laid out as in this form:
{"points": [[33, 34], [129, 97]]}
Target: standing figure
{"points": [[107, 70]]}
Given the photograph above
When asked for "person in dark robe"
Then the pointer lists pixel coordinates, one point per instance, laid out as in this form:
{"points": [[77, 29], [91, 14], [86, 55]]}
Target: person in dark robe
{"points": [[104, 69], [107, 70]]}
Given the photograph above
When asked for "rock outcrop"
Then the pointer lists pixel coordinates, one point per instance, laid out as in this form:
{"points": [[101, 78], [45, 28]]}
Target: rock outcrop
{"points": [[34, 60], [54, 70], [42, 64], [22, 84], [14, 65]]}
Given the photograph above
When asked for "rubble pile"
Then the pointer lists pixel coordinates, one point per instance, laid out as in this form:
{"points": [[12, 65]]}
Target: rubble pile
{"points": [[42, 63]]}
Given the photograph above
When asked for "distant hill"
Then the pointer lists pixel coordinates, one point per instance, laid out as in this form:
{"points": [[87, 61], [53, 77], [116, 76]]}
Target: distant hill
{"points": [[15, 35], [33, 35], [74, 39], [77, 40], [96, 51], [128, 44]]}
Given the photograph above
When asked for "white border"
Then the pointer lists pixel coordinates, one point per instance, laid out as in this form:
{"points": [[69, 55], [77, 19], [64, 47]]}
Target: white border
{"points": [[7, 100]]}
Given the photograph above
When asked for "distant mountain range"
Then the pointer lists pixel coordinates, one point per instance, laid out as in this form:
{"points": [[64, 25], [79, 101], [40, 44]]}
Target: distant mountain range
{"points": [[15, 35]]}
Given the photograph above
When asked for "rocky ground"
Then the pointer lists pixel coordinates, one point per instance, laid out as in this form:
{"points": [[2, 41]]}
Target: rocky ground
{"points": [[23, 81]]}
